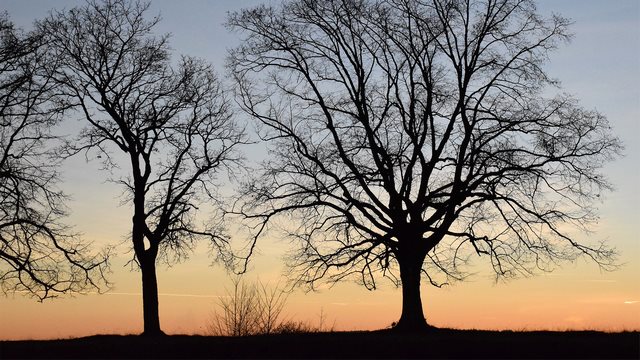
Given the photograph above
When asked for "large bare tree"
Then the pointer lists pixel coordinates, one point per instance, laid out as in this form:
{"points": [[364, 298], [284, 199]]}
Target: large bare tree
{"points": [[39, 255], [171, 124], [408, 135]]}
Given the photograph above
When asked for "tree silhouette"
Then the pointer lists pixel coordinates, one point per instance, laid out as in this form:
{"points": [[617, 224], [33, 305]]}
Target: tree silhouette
{"points": [[39, 255], [171, 125], [407, 136]]}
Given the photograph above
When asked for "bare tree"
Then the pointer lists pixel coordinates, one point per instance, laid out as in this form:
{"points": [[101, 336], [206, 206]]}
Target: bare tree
{"points": [[408, 135], [171, 125], [39, 255]]}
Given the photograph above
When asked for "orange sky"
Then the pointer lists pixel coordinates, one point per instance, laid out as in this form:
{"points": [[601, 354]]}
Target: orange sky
{"points": [[575, 297]]}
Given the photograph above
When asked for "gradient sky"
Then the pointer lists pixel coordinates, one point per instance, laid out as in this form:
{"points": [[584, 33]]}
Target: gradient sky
{"points": [[601, 66]]}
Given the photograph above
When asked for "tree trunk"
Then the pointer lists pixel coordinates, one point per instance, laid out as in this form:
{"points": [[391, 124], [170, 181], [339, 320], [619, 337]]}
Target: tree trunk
{"points": [[412, 318], [150, 298]]}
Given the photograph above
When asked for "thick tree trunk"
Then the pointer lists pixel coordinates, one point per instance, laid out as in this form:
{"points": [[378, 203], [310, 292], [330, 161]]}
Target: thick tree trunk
{"points": [[150, 298], [412, 318]]}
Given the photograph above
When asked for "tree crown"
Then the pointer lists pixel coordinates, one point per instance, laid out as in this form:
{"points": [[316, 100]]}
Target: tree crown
{"points": [[402, 127]]}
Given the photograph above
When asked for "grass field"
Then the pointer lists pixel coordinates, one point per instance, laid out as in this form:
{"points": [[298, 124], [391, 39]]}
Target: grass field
{"points": [[439, 343]]}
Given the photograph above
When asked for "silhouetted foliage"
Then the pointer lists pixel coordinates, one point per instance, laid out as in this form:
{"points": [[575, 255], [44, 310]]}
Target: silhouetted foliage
{"points": [[408, 135], [39, 255], [170, 122]]}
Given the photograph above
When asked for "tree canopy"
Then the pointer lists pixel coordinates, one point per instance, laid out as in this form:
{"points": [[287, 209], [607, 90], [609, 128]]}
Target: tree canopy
{"points": [[408, 136]]}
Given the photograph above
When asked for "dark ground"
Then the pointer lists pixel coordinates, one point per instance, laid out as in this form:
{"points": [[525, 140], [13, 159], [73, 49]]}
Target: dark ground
{"points": [[440, 343]]}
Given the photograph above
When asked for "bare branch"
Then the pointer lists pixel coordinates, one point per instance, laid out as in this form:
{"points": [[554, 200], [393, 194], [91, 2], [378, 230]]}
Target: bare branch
{"points": [[39, 255]]}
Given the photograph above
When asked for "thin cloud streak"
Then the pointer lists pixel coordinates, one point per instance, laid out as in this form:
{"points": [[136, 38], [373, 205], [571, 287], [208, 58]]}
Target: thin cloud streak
{"points": [[162, 294]]}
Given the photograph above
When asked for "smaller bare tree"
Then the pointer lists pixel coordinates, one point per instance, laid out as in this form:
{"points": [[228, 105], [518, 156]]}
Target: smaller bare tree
{"points": [[39, 255], [169, 124]]}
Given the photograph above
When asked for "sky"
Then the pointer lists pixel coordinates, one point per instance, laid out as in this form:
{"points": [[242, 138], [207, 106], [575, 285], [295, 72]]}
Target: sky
{"points": [[601, 66]]}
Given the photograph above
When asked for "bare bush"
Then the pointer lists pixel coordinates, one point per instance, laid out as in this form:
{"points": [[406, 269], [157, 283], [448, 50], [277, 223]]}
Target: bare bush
{"points": [[248, 309], [257, 309]]}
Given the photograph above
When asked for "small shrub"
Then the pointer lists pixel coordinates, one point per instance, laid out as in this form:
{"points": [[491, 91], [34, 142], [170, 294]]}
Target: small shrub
{"points": [[248, 309], [256, 309], [302, 327]]}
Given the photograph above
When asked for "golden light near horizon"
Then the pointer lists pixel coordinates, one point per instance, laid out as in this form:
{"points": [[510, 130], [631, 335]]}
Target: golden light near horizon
{"points": [[562, 300], [574, 296]]}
